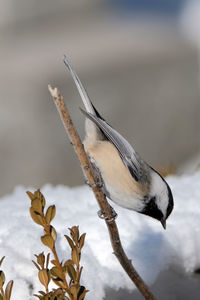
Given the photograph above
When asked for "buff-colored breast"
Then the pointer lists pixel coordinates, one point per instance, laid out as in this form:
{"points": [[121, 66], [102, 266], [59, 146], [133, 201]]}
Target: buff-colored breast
{"points": [[121, 186]]}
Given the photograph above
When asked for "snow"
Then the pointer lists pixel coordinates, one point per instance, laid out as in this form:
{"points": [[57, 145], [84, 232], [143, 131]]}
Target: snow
{"points": [[151, 248]]}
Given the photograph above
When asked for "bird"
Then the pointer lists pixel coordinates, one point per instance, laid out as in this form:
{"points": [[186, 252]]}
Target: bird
{"points": [[125, 177]]}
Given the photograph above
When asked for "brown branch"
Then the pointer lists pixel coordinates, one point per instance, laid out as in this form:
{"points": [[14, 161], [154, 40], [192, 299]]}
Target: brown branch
{"points": [[101, 199]]}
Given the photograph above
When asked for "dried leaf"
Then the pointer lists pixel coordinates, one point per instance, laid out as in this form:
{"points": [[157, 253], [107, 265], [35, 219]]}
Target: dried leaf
{"points": [[81, 241], [56, 272], [44, 277], [42, 293], [75, 256], [48, 241], [47, 261], [53, 233], [74, 289], [39, 297], [36, 205], [58, 282], [31, 196], [55, 263], [1, 261], [70, 242], [2, 279], [36, 265], [40, 196], [58, 292], [41, 259], [50, 214], [74, 231], [82, 293], [71, 272], [8, 290], [68, 262], [36, 217], [80, 272]]}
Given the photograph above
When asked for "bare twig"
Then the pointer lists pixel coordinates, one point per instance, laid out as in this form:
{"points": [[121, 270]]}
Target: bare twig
{"points": [[101, 199]]}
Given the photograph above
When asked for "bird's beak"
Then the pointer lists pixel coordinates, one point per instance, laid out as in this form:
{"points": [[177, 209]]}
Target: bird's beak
{"points": [[163, 222]]}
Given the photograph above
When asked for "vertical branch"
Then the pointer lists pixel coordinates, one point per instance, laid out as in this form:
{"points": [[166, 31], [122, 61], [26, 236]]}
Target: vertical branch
{"points": [[100, 197]]}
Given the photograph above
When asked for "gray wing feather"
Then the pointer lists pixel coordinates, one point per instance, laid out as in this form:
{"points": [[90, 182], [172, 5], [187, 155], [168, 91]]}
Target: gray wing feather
{"points": [[137, 167]]}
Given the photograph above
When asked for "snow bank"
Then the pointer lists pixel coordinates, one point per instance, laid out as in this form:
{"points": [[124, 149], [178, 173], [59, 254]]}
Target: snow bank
{"points": [[150, 247]]}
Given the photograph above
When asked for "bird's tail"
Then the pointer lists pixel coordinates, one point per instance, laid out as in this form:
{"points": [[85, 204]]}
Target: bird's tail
{"points": [[84, 96], [93, 133]]}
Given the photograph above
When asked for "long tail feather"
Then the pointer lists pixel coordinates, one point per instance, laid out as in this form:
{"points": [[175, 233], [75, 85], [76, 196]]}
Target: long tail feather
{"points": [[84, 96]]}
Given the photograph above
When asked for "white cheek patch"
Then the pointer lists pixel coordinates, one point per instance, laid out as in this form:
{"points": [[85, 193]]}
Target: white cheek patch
{"points": [[159, 189], [163, 201]]}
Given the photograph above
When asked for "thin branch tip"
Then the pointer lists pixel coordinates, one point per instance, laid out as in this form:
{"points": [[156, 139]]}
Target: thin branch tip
{"points": [[50, 88], [53, 91]]}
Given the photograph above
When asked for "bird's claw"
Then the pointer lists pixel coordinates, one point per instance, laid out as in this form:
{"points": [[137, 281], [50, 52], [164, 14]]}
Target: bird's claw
{"points": [[101, 215], [99, 184]]}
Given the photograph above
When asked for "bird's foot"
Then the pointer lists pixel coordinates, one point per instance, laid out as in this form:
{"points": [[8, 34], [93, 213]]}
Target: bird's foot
{"points": [[101, 215], [99, 184]]}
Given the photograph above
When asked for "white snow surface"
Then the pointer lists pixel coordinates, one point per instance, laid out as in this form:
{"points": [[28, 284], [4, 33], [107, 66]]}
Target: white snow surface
{"points": [[151, 248]]}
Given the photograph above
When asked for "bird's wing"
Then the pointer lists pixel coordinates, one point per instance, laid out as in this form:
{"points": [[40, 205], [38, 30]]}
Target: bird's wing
{"points": [[137, 167]]}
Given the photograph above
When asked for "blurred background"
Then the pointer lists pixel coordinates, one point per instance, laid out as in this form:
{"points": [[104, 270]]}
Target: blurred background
{"points": [[139, 60]]}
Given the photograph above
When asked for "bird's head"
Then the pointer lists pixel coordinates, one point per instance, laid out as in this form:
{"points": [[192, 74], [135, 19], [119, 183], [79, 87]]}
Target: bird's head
{"points": [[159, 202]]}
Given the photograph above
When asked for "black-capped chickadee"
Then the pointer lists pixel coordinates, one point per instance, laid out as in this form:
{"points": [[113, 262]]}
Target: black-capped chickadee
{"points": [[127, 179]]}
